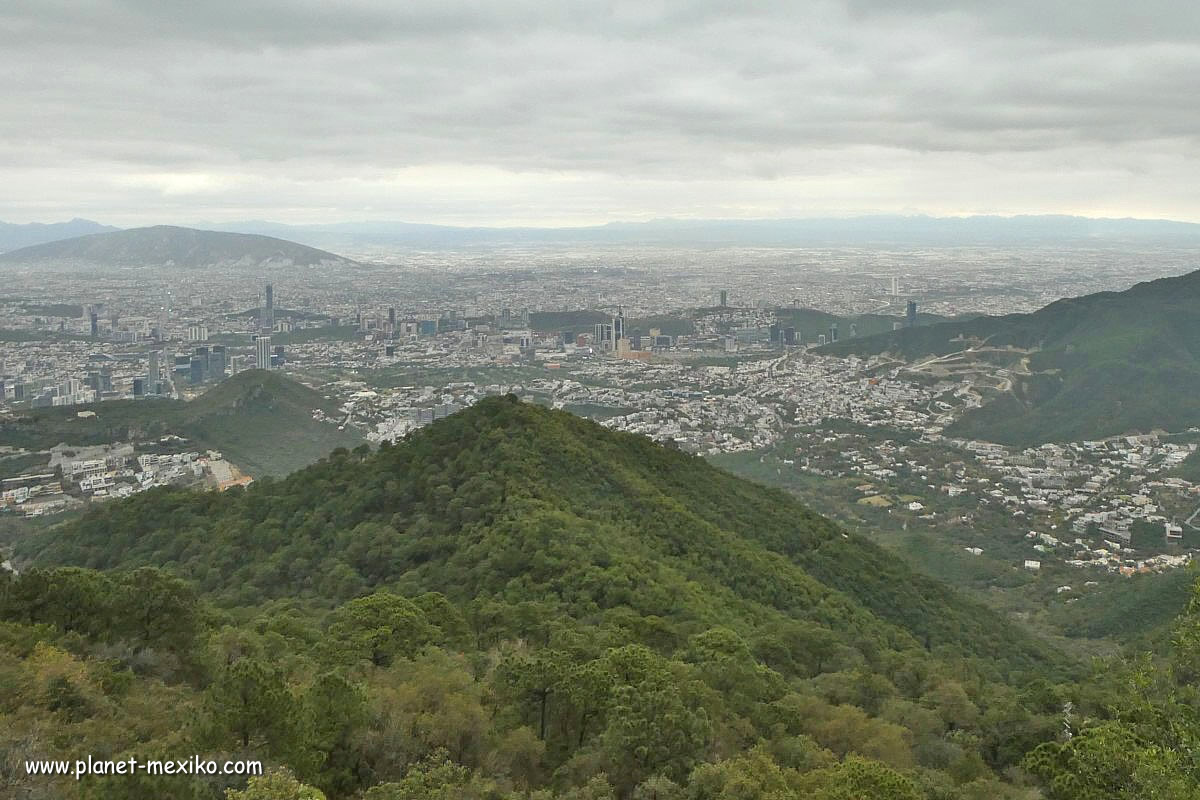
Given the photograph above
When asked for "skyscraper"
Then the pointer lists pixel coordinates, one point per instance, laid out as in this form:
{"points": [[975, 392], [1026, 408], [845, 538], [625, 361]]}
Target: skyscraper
{"points": [[833, 333], [217, 363], [910, 318], [262, 350], [724, 298], [268, 314], [895, 286], [152, 374]]}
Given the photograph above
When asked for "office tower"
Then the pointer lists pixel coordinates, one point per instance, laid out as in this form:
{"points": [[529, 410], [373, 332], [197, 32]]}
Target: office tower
{"points": [[217, 362], [568, 337], [635, 339], [392, 316], [196, 370], [389, 350], [789, 336], [895, 286], [152, 374], [278, 358], [833, 332], [724, 298], [262, 351], [910, 318], [776, 333], [139, 387], [95, 324], [268, 315], [618, 325], [602, 339]]}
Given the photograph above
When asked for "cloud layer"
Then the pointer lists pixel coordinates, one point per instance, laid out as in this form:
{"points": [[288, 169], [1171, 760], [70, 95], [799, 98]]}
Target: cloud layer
{"points": [[550, 112]]}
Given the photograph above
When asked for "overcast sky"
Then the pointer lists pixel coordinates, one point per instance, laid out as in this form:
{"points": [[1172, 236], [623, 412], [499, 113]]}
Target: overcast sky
{"points": [[542, 112]]}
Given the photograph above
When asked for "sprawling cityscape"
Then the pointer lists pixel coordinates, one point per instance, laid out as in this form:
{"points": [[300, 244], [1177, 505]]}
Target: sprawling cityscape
{"points": [[716, 352]]}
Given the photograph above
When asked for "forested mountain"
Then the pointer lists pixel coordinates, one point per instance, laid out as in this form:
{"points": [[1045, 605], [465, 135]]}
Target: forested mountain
{"points": [[1092, 361], [260, 420], [14, 236], [515, 603], [170, 246]]}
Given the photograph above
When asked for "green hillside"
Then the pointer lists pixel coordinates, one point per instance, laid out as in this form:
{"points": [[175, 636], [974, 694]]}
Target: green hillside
{"points": [[517, 604], [1093, 361], [475, 494], [260, 420], [811, 323]]}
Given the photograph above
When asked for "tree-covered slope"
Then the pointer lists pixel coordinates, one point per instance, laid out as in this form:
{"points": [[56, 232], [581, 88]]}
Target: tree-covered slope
{"points": [[260, 420], [516, 604], [1094, 361], [508, 498]]}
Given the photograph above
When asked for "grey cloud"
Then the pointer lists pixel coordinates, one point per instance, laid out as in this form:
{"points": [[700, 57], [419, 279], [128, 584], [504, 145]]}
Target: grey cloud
{"points": [[308, 91]]}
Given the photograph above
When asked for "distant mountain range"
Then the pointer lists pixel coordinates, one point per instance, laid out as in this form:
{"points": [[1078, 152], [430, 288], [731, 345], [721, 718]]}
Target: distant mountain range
{"points": [[1088, 367], [167, 245], [13, 236], [865, 230]]}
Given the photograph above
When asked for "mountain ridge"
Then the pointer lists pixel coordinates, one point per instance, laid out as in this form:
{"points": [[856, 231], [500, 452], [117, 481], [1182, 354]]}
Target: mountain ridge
{"points": [[495, 493], [863, 229], [260, 420], [1090, 361], [14, 236], [169, 245]]}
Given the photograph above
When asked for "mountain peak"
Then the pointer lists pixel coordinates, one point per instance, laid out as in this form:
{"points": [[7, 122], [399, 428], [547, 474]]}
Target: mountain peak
{"points": [[170, 245]]}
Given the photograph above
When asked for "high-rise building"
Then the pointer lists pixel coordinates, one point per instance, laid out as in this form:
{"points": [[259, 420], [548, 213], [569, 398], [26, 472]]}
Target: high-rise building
{"points": [[724, 297], [895, 286], [95, 324], [833, 332], [218, 364], [269, 309], [910, 318], [602, 339], [262, 351], [152, 374], [392, 316]]}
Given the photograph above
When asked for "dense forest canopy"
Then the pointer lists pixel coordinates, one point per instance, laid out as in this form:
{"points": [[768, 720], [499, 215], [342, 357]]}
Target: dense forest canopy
{"points": [[517, 603]]}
